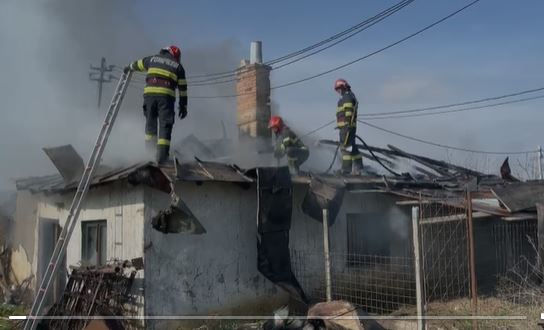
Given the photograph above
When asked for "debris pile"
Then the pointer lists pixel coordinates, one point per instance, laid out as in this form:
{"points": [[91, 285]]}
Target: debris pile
{"points": [[104, 294]]}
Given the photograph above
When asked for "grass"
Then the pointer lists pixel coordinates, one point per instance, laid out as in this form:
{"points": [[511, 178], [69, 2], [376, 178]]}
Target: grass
{"points": [[487, 306], [7, 310]]}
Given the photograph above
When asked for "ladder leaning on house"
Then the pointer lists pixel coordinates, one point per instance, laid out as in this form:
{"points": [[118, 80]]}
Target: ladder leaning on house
{"points": [[83, 187]]}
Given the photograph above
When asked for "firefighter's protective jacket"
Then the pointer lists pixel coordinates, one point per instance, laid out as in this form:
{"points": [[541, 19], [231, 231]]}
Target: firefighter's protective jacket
{"points": [[287, 139], [346, 114], [164, 76]]}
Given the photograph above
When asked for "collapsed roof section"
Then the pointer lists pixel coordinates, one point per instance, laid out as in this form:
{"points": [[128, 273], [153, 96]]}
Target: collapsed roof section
{"points": [[435, 180]]}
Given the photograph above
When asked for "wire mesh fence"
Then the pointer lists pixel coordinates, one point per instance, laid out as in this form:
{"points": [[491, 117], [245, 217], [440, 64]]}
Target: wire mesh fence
{"points": [[515, 245], [384, 282], [444, 250], [377, 284]]}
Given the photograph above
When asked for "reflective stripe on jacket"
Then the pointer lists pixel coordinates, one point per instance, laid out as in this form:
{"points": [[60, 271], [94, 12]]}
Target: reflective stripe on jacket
{"points": [[346, 112], [164, 76]]}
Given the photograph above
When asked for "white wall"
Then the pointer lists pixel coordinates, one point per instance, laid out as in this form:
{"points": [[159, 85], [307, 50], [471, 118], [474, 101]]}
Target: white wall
{"points": [[117, 203], [211, 273], [121, 205], [23, 240], [306, 236]]}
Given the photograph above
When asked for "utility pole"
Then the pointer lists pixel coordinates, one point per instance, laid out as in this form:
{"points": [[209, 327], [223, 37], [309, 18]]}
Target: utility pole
{"points": [[99, 75]]}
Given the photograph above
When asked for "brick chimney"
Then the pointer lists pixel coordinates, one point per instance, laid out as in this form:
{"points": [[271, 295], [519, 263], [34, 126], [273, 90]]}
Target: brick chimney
{"points": [[253, 102]]}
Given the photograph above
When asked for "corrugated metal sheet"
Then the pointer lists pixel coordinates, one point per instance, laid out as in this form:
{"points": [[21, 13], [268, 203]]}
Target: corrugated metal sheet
{"points": [[55, 183], [194, 171], [210, 171]]}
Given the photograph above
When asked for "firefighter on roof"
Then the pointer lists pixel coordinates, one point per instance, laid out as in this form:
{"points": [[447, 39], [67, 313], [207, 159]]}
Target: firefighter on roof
{"points": [[165, 74], [288, 144], [346, 123]]}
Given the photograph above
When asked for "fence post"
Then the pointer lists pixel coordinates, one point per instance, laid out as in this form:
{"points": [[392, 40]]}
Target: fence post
{"points": [[326, 252], [540, 235], [539, 163], [417, 264], [472, 262]]}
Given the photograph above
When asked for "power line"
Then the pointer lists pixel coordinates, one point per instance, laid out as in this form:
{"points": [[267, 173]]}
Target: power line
{"points": [[360, 25], [355, 27], [455, 104], [347, 37], [356, 60], [351, 32], [370, 22], [379, 50], [456, 110], [446, 146], [317, 129]]}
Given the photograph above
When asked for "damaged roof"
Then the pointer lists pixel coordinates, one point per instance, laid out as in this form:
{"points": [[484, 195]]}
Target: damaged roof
{"points": [[56, 182], [209, 171], [437, 180]]}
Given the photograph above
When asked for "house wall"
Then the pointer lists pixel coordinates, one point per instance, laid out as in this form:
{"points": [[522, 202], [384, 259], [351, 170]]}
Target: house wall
{"points": [[23, 241], [216, 273], [119, 203], [307, 234], [213, 273]]}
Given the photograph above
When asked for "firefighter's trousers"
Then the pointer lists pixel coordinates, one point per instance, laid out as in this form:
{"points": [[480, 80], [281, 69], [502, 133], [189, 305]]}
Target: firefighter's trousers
{"points": [[295, 157], [160, 115], [352, 161]]}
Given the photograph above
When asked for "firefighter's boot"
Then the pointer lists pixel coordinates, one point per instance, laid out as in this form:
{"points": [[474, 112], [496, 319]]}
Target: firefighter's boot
{"points": [[346, 164], [293, 167], [163, 153], [357, 166], [150, 145]]}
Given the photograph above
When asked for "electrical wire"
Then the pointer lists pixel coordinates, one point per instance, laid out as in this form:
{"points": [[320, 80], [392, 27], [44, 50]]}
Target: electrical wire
{"points": [[320, 43], [445, 146], [377, 51], [371, 22], [350, 33], [487, 106], [353, 61], [380, 114], [358, 59]]}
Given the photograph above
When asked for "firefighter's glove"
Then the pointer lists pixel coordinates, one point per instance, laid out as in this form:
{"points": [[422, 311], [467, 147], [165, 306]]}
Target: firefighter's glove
{"points": [[126, 69], [182, 111]]}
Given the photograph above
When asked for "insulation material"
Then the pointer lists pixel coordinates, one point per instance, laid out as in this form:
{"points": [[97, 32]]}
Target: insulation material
{"points": [[321, 196], [275, 205]]}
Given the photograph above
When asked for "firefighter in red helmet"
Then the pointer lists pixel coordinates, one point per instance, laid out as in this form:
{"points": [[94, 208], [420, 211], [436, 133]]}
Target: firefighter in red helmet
{"points": [[346, 123], [165, 74], [288, 144]]}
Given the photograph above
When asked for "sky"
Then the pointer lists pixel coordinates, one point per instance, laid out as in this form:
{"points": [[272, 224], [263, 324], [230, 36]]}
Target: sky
{"points": [[495, 47]]}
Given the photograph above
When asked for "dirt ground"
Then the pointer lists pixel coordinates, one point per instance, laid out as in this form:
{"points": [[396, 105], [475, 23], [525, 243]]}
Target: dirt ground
{"points": [[461, 307]]}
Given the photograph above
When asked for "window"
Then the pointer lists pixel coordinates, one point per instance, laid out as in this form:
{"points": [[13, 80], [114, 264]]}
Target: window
{"points": [[93, 247], [368, 234]]}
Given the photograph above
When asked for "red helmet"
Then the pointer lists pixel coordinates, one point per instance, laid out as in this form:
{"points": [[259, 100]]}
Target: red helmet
{"points": [[174, 51], [275, 122], [341, 84]]}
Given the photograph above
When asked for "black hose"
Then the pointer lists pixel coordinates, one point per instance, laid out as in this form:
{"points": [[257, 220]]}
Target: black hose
{"points": [[333, 160], [376, 158]]}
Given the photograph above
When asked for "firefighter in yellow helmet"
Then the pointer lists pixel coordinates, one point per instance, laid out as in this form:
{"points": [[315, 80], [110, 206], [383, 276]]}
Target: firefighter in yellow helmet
{"points": [[165, 74], [288, 144], [346, 123]]}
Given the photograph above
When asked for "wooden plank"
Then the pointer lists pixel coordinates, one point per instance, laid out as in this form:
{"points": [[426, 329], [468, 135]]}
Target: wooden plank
{"points": [[519, 196]]}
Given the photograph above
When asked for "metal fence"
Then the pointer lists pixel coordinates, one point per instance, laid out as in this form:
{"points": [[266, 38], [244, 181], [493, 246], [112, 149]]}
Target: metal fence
{"points": [[450, 243], [515, 245], [444, 250], [377, 284]]}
